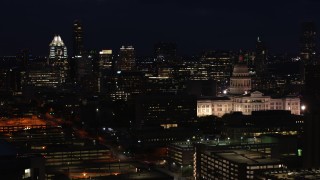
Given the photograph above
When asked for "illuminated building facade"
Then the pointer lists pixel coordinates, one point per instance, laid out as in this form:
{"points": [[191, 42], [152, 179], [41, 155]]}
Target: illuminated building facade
{"points": [[243, 101], [240, 82], [58, 57], [44, 78], [105, 59], [246, 104]]}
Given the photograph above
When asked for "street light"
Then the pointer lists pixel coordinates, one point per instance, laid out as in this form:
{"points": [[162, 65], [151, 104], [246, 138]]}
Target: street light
{"points": [[303, 107], [225, 91]]}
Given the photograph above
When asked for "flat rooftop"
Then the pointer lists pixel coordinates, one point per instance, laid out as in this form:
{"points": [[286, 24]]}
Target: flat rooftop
{"points": [[25, 121], [246, 157], [293, 174]]}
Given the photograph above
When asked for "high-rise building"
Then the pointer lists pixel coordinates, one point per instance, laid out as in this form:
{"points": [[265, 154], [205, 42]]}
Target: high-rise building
{"points": [[124, 85], [308, 43], [78, 46], [218, 65], [105, 59], [58, 57], [126, 59], [23, 58], [165, 52], [261, 57]]}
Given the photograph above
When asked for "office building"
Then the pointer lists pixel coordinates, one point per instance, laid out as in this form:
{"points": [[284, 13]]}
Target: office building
{"points": [[105, 59], [164, 109], [218, 65], [180, 154], [124, 85], [165, 53], [308, 43], [260, 57], [233, 164], [126, 60], [46, 77], [78, 47]]}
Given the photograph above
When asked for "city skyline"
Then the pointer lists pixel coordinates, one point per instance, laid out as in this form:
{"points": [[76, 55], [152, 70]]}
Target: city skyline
{"points": [[159, 89], [194, 26]]}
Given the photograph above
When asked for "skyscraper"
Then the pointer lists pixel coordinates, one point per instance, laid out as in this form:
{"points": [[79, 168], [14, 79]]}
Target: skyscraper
{"points": [[165, 52], [308, 43], [126, 59], [78, 47], [261, 57], [105, 60], [58, 57], [23, 58], [218, 66]]}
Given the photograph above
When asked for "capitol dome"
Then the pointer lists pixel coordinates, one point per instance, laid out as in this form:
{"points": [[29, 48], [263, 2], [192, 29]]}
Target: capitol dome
{"points": [[240, 82], [240, 68]]}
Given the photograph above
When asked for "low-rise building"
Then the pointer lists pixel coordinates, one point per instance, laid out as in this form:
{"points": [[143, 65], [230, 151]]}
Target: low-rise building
{"points": [[233, 164]]}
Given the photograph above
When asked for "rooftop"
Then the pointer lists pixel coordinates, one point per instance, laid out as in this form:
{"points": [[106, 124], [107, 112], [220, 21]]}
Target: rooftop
{"points": [[293, 174], [25, 121], [57, 41], [247, 157]]}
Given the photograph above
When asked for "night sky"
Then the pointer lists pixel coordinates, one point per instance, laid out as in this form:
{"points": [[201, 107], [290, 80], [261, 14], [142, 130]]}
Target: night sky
{"points": [[194, 25]]}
